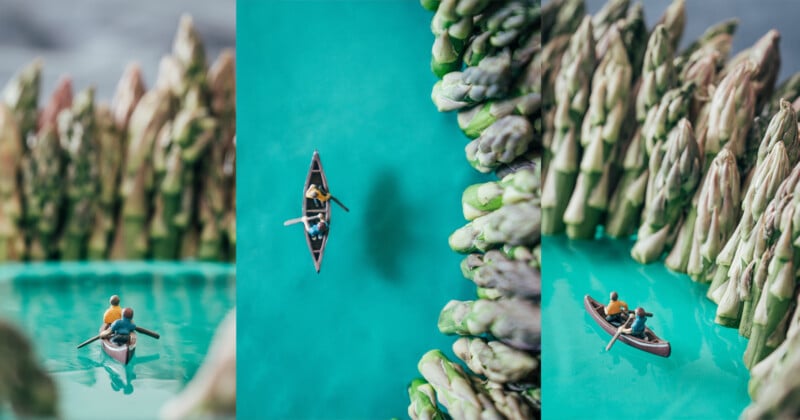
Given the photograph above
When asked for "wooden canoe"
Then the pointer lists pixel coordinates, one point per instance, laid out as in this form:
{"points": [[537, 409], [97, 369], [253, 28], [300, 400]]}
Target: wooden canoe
{"points": [[316, 176], [122, 354], [653, 344]]}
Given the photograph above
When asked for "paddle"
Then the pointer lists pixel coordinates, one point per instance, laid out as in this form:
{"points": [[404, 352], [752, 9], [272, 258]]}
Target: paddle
{"points": [[619, 331], [336, 200], [91, 340], [296, 220], [145, 331]]}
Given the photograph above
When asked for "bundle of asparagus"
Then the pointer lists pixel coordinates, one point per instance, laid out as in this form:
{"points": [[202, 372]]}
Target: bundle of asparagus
{"points": [[706, 178], [148, 176], [489, 58]]}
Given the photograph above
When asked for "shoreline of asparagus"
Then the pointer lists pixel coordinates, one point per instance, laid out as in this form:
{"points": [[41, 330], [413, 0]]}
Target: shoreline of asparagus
{"points": [[147, 176]]}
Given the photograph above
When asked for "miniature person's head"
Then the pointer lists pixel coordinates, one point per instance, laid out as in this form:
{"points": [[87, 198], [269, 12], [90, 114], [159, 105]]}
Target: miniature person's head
{"points": [[127, 313], [114, 301], [640, 311], [614, 296]]}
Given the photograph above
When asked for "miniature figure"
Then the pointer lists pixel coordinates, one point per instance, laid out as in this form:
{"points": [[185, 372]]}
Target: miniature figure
{"points": [[615, 309], [121, 328], [320, 197], [637, 329], [317, 230], [113, 313]]}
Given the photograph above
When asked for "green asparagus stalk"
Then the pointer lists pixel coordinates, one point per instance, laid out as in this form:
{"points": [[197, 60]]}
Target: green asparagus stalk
{"points": [[500, 27], [599, 136], [775, 369], [608, 16], [495, 360], [509, 404], [774, 302], [675, 170], [474, 121], [150, 114], [423, 402], [738, 251], [561, 17], [717, 214], [130, 90], [508, 277], [22, 95], [188, 49], [60, 100], [731, 114], [633, 30], [717, 38], [481, 199], [765, 56], [514, 224], [77, 133], [573, 87], [674, 21], [453, 387], [110, 155], [504, 141], [12, 240], [488, 80], [513, 321]]}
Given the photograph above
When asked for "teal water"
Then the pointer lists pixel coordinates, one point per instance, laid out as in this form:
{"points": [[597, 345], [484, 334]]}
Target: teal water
{"points": [[62, 306], [703, 378], [352, 80]]}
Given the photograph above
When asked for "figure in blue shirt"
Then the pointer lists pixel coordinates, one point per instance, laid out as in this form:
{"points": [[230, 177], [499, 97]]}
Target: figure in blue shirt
{"points": [[637, 329], [121, 328]]}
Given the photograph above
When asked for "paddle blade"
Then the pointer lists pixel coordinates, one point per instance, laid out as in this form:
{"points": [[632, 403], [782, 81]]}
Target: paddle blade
{"points": [[145, 331], [336, 200], [91, 340], [293, 221]]}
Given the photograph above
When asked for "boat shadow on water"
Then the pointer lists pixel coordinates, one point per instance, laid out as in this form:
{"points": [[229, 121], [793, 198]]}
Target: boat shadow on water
{"points": [[387, 228]]}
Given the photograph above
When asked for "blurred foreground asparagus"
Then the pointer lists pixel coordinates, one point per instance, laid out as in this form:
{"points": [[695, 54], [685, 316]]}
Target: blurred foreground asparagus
{"points": [[84, 179]]}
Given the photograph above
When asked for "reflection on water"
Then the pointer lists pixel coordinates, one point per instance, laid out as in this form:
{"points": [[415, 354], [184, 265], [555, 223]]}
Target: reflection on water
{"points": [[61, 311], [703, 378]]}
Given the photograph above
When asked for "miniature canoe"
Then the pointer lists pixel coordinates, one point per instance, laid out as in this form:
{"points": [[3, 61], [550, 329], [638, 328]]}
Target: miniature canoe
{"points": [[316, 176], [653, 344], [122, 354]]}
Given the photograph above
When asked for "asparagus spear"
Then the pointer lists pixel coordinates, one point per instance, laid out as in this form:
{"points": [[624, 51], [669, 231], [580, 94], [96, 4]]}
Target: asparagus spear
{"points": [[481, 199], [658, 76], [22, 95], [503, 26], [109, 153], [78, 136], [453, 387], [515, 224], [513, 321], [717, 213], [423, 402], [504, 141], [474, 121], [607, 16], [495, 360], [674, 20], [675, 173], [561, 17], [12, 241], [488, 80], [731, 114], [765, 56], [572, 95], [507, 276], [130, 89]]}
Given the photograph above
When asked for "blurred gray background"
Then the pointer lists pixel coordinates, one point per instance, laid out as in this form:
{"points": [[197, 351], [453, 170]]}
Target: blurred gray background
{"points": [[93, 41], [755, 19]]}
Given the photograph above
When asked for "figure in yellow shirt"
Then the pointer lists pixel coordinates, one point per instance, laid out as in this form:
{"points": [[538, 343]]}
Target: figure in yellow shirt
{"points": [[615, 308], [321, 197], [113, 313]]}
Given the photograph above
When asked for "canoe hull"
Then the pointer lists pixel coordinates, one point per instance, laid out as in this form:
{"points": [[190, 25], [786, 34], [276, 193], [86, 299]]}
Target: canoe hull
{"points": [[316, 176], [122, 354], [654, 344]]}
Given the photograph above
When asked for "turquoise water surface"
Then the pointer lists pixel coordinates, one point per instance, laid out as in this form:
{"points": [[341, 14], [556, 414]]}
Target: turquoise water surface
{"points": [[350, 79], [703, 378], [62, 305]]}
